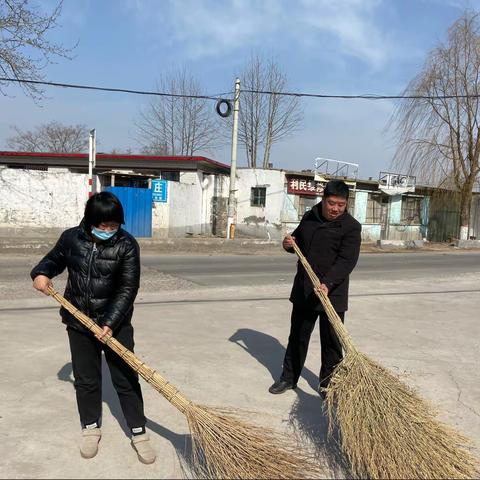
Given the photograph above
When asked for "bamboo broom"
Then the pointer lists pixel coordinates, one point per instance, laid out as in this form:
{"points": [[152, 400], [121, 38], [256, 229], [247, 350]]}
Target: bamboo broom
{"points": [[223, 445], [386, 429]]}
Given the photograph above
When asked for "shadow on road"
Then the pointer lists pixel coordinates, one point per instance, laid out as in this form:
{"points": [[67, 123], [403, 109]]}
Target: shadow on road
{"points": [[268, 351], [307, 416]]}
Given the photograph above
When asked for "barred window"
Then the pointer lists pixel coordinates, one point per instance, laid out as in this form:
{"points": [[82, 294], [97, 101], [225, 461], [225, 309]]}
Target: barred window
{"points": [[374, 208], [305, 204], [411, 210], [258, 196]]}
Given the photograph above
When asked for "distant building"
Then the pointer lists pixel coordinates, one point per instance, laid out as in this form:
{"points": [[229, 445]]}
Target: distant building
{"points": [[272, 202], [177, 196], [46, 191]]}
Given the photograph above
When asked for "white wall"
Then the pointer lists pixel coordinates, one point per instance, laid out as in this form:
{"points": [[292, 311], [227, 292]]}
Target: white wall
{"points": [[215, 188], [475, 218], [189, 206], [53, 199], [263, 222]]}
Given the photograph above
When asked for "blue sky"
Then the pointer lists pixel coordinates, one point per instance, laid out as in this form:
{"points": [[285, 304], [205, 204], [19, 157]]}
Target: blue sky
{"points": [[324, 46]]}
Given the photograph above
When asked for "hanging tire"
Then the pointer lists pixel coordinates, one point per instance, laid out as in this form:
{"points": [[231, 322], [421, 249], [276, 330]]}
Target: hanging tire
{"points": [[219, 110]]}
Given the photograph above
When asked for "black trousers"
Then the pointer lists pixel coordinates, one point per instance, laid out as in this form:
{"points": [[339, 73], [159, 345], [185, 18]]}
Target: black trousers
{"points": [[303, 323], [87, 371]]}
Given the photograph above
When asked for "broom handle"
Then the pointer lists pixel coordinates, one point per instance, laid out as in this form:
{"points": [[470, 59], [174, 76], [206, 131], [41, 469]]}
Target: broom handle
{"points": [[333, 317], [170, 392]]}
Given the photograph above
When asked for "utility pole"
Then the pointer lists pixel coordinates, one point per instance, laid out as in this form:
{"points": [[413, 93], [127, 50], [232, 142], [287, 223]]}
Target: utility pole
{"points": [[92, 157], [232, 201]]}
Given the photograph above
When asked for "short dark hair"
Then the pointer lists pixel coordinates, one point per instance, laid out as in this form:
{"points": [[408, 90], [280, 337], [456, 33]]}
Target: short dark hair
{"points": [[103, 207], [336, 187]]}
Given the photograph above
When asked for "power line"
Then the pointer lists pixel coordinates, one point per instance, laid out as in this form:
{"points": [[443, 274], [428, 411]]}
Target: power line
{"points": [[112, 89], [219, 96], [367, 96]]}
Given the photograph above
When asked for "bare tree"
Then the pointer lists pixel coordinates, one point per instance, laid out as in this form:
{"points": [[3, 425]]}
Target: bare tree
{"points": [[121, 151], [51, 137], [24, 47], [154, 149], [175, 125], [265, 119], [439, 135]]}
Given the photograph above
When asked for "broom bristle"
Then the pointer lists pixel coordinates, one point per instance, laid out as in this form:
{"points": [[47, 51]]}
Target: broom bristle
{"points": [[225, 446], [388, 431]]}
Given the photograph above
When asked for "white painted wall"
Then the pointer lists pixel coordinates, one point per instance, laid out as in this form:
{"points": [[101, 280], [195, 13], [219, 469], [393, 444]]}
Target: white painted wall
{"points": [[371, 232], [160, 216], [189, 206], [54, 199], [475, 218], [263, 222], [215, 186]]}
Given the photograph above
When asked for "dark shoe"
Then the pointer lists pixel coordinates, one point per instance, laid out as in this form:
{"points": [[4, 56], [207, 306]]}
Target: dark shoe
{"points": [[281, 386], [322, 390]]}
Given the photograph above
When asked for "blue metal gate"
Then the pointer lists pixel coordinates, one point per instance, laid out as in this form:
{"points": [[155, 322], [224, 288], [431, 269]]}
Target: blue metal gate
{"points": [[137, 205]]}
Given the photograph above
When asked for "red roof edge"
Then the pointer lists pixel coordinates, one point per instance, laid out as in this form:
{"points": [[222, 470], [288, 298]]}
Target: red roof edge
{"points": [[180, 158]]}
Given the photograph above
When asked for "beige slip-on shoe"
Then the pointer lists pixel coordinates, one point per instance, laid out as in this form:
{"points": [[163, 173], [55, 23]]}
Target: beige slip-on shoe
{"points": [[143, 447], [90, 439]]}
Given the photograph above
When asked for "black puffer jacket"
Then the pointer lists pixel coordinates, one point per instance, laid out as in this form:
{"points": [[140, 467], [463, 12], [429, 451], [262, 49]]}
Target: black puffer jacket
{"points": [[103, 277]]}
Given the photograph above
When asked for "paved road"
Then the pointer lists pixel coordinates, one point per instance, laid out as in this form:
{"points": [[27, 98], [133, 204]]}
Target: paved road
{"points": [[245, 270], [262, 270], [209, 348]]}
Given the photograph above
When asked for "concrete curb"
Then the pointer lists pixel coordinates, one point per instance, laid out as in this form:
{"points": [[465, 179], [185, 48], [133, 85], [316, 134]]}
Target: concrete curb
{"points": [[210, 245], [238, 246], [168, 245], [467, 244], [389, 244]]}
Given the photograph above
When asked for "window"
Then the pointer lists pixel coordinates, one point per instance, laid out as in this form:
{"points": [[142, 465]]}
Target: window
{"points": [[374, 208], [125, 181], [305, 204], [258, 196], [171, 176], [411, 208]]}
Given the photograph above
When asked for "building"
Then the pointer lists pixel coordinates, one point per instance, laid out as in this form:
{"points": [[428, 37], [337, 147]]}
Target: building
{"points": [[178, 196], [271, 203], [47, 192]]}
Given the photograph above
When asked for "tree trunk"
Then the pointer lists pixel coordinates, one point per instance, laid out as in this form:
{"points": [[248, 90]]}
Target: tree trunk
{"points": [[465, 202], [266, 154]]}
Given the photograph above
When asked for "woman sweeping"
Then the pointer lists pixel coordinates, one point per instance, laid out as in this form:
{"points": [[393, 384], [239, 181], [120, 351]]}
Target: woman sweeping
{"points": [[103, 263]]}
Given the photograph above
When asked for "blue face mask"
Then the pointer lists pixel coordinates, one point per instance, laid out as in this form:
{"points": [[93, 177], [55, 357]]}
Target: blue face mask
{"points": [[102, 234]]}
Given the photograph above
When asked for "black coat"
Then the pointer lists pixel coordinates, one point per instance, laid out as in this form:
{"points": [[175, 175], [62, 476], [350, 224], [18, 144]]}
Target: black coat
{"points": [[332, 249], [103, 277]]}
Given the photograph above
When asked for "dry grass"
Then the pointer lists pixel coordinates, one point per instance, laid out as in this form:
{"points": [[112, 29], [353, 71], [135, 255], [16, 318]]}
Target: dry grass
{"points": [[386, 429], [224, 445]]}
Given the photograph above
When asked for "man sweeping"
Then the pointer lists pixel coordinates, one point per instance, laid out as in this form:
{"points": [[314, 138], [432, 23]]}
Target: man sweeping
{"points": [[330, 239]]}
